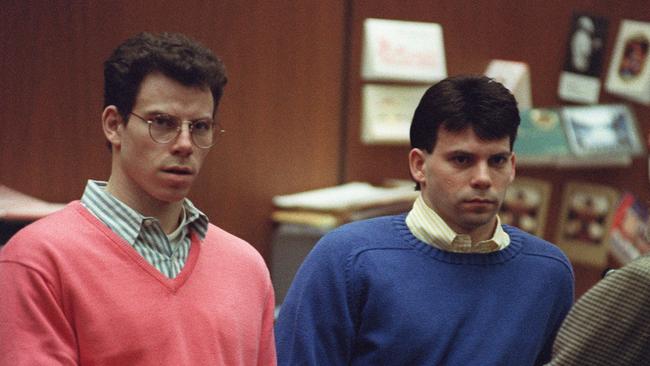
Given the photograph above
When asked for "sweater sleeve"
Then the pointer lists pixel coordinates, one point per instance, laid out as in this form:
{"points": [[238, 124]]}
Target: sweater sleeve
{"points": [[564, 301], [609, 324], [316, 326], [267, 354], [34, 328]]}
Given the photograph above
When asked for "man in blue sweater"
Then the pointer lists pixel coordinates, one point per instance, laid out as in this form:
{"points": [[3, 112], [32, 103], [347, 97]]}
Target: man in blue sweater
{"points": [[446, 283]]}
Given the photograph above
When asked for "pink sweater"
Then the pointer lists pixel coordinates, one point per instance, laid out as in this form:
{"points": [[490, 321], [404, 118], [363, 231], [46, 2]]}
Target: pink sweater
{"points": [[72, 292]]}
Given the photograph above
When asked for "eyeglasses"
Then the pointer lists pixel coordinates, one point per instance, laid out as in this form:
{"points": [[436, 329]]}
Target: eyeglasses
{"points": [[163, 128]]}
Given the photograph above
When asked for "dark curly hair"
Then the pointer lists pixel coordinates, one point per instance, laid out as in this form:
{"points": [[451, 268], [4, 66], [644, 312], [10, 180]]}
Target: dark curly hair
{"points": [[174, 55]]}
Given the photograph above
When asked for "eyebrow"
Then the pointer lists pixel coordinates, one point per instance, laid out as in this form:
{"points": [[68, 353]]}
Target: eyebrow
{"points": [[465, 152], [159, 113]]}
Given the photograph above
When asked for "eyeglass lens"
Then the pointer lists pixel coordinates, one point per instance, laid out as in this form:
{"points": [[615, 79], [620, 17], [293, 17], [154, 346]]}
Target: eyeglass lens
{"points": [[164, 128]]}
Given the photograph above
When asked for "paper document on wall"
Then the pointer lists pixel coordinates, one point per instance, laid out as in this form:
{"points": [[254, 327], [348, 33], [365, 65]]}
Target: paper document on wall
{"points": [[403, 50], [387, 111]]}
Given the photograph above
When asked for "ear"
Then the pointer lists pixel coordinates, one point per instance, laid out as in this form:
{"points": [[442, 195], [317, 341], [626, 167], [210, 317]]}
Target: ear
{"points": [[417, 158], [512, 173], [111, 122]]}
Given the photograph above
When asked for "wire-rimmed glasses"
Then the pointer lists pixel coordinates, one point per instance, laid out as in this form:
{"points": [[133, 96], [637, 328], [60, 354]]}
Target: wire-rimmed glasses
{"points": [[163, 128]]}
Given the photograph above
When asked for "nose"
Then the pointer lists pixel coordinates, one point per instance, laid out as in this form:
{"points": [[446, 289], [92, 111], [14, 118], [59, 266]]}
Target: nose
{"points": [[481, 178], [183, 143]]}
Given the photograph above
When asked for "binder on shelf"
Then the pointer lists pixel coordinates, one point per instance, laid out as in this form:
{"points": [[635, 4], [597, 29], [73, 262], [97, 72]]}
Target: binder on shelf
{"points": [[579, 136], [541, 138]]}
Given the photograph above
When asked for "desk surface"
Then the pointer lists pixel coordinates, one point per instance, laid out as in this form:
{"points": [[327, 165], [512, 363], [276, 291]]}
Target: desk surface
{"points": [[16, 206]]}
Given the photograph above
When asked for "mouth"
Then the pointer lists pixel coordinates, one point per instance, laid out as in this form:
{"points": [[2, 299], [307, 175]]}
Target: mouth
{"points": [[480, 202], [178, 170]]}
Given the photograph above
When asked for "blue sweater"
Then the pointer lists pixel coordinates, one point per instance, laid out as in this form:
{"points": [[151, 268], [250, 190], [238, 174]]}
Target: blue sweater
{"points": [[370, 293]]}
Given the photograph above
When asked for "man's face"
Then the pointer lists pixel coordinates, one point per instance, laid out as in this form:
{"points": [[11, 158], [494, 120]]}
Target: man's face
{"points": [[464, 179], [145, 172]]}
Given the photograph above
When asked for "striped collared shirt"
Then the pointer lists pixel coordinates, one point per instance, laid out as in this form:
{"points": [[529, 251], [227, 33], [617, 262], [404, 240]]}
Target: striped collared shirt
{"points": [[429, 227], [145, 233]]}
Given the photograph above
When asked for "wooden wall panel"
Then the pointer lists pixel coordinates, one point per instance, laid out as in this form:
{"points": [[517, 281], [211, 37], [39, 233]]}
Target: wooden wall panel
{"points": [[293, 84], [281, 108], [476, 32]]}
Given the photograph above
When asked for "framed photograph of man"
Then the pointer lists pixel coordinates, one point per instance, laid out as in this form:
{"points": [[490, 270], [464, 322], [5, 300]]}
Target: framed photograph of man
{"points": [[585, 220], [584, 49], [629, 71], [526, 205], [579, 80]]}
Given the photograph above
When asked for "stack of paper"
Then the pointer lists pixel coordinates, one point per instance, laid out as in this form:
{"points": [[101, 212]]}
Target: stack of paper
{"points": [[332, 206]]}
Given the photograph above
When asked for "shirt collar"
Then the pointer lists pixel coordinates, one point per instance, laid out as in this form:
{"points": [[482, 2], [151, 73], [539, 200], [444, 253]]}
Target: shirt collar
{"points": [[429, 227], [126, 221]]}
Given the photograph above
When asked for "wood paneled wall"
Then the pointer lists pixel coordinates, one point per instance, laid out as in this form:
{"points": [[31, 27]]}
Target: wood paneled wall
{"points": [[294, 70], [475, 32], [281, 107]]}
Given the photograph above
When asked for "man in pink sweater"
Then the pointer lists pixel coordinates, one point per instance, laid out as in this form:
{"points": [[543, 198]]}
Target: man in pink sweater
{"points": [[133, 273]]}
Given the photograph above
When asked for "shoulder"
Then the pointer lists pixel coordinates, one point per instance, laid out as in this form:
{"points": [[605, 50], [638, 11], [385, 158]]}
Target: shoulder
{"points": [[339, 250], [631, 280], [46, 243], [366, 230], [227, 246], [609, 322], [639, 268], [624, 291], [378, 232], [45, 234], [539, 249]]}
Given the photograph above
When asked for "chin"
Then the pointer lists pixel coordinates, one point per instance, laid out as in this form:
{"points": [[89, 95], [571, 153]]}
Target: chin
{"points": [[172, 197], [480, 219]]}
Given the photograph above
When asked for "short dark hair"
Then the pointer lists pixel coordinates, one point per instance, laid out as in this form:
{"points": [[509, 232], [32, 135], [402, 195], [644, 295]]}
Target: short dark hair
{"points": [[172, 54], [465, 101]]}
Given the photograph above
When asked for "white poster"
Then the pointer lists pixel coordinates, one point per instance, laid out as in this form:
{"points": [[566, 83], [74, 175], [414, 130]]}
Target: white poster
{"points": [[402, 50]]}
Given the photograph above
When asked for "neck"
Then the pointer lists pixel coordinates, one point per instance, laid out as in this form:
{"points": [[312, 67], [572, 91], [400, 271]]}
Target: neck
{"points": [[480, 233], [476, 233], [167, 213]]}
